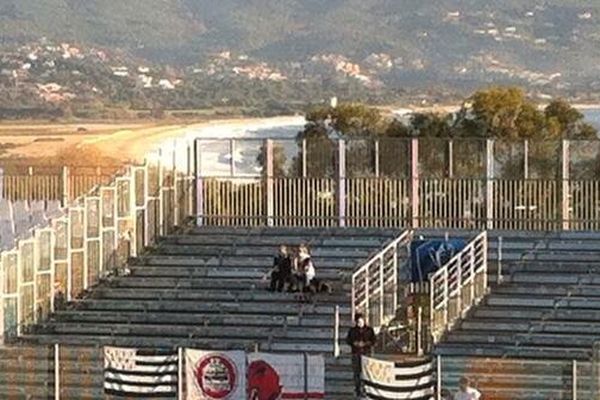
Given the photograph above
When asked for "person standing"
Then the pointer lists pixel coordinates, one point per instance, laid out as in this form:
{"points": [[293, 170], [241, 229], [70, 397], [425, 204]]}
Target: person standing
{"points": [[466, 392], [361, 339]]}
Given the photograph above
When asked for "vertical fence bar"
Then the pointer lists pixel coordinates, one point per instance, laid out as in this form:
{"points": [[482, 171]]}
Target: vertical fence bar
{"points": [[1, 183], [199, 184], [414, 182], [489, 184], [381, 290], [305, 376], [304, 166], [446, 300], [353, 296], [65, 186], [56, 371], [175, 185], [180, 373], [574, 380], [450, 159], [395, 277], [420, 331], [367, 299], [526, 159], [499, 272], [439, 377], [566, 189], [232, 161], [268, 146], [341, 183], [336, 333], [377, 159]]}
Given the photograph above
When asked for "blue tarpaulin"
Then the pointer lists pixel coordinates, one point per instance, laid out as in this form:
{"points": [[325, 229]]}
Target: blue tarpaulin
{"points": [[429, 255]]}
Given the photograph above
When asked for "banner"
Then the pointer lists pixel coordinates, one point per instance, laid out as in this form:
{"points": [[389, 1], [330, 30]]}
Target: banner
{"points": [[274, 376], [215, 375], [387, 380], [140, 372]]}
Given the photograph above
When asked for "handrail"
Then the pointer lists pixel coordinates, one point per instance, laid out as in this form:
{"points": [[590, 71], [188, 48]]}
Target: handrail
{"points": [[376, 282], [457, 286]]}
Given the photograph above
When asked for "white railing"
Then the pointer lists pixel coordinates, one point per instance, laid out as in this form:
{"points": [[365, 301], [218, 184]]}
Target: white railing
{"points": [[457, 286], [95, 237], [375, 284]]}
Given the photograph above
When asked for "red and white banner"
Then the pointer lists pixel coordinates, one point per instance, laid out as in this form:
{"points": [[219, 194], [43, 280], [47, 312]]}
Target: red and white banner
{"points": [[275, 376], [215, 375]]}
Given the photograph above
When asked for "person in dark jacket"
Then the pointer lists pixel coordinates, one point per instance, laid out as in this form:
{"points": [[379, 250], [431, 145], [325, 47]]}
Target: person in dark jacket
{"points": [[282, 270], [361, 339]]}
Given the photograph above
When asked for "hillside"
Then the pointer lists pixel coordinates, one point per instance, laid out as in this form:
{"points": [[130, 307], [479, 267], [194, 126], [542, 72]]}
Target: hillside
{"points": [[551, 46]]}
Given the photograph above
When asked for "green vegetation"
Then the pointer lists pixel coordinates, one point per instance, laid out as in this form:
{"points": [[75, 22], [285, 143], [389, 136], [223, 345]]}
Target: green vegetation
{"points": [[500, 113]]}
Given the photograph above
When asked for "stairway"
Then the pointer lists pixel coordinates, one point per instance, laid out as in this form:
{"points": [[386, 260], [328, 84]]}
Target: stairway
{"points": [[520, 342], [203, 289]]}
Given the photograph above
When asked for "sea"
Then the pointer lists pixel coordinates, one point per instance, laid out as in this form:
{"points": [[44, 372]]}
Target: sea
{"points": [[592, 115]]}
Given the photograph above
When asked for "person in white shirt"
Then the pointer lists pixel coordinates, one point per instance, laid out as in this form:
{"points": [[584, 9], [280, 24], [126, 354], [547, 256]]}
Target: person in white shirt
{"points": [[306, 266], [466, 392]]}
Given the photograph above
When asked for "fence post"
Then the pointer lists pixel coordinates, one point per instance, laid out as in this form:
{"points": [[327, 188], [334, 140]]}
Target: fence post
{"points": [[414, 182], [499, 272], [341, 182], [395, 283], [56, 371], [336, 333], [367, 298], [381, 290], [179, 373], [65, 186], [450, 159], [199, 184], [1, 183], [574, 380], [2, 285], [305, 376], [566, 185], [377, 156], [268, 146], [174, 182], [489, 184], [525, 159], [420, 331], [304, 165], [439, 377]]}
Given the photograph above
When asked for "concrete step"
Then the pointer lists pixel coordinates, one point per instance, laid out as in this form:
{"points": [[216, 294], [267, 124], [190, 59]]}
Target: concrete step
{"points": [[214, 295], [185, 318], [266, 308]]}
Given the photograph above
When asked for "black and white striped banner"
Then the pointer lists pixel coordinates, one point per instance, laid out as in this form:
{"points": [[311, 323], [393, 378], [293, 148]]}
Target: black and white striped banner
{"points": [[140, 373], [387, 380]]}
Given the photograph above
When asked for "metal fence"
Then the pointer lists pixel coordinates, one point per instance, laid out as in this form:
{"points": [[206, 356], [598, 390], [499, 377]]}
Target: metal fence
{"points": [[457, 286], [53, 183], [510, 378], [375, 284], [419, 183], [97, 234]]}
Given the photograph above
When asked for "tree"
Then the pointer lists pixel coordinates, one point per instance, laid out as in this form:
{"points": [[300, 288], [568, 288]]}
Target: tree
{"points": [[568, 121]]}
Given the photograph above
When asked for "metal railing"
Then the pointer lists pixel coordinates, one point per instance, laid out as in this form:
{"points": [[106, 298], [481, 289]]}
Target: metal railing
{"points": [[375, 283], [96, 235], [457, 286], [398, 183]]}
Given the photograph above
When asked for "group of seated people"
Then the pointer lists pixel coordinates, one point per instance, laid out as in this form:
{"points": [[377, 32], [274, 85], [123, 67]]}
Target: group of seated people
{"points": [[294, 271]]}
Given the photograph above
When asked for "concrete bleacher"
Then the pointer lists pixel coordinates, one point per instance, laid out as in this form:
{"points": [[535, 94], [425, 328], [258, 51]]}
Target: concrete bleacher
{"points": [[520, 342], [204, 289]]}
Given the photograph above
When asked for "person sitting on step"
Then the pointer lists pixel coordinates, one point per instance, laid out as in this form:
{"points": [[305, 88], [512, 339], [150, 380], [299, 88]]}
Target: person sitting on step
{"points": [[282, 270]]}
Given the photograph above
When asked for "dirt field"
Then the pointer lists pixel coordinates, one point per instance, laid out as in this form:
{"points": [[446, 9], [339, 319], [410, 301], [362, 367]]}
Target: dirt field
{"points": [[122, 141]]}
